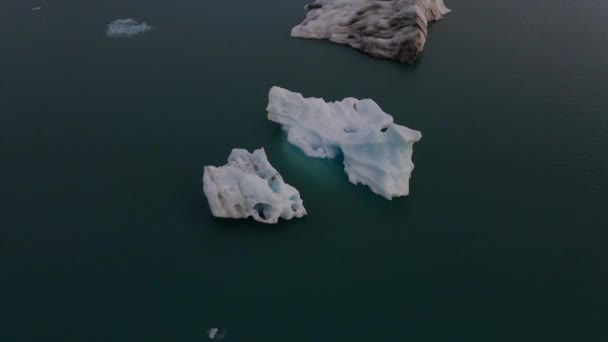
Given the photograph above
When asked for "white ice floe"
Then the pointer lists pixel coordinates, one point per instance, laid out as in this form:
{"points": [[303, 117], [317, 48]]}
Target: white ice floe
{"points": [[249, 186], [377, 152], [126, 28], [35, 9], [216, 334], [394, 29]]}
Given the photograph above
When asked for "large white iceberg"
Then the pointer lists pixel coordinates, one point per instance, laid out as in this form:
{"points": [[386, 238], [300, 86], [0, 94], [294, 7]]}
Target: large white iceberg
{"points": [[248, 186], [126, 28], [394, 29], [377, 152]]}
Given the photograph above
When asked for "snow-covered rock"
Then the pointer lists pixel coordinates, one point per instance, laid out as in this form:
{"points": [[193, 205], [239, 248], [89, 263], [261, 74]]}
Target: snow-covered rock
{"points": [[249, 186], [394, 29], [377, 152], [126, 28]]}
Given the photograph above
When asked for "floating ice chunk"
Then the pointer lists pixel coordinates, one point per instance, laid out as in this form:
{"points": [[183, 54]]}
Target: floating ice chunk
{"points": [[216, 334], [249, 186], [36, 8], [377, 152], [126, 28], [394, 29]]}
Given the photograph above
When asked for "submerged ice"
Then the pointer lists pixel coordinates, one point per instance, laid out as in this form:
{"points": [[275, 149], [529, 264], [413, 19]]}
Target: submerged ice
{"points": [[394, 29], [377, 152], [248, 186], [126, 28]]}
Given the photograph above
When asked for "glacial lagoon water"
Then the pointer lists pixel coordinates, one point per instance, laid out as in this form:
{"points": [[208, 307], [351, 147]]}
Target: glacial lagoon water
{"points": [[105, 234]]}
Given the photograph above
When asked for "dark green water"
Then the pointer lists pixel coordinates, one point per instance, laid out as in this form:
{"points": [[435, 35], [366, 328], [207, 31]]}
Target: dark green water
{"points": [[105, 234]]}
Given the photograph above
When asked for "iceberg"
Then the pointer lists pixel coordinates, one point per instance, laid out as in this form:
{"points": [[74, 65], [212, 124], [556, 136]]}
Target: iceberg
{"points": [[248, 186], [126, 28], [393, 29], [376, 152]]}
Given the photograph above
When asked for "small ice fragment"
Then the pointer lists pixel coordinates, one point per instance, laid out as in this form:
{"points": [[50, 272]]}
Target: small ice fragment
{"points": [[126, 28], [37, 8], [215, 334]]}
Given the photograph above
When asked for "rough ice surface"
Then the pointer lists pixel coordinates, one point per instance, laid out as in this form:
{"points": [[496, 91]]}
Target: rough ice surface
{"points": [[377, 152], [248, 186], [394, 29], [126, 28]]}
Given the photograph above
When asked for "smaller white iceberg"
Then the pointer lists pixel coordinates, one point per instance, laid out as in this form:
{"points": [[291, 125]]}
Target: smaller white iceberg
{"points": [[248, 186], [376, 151], [126, 28], [35, 9]]}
